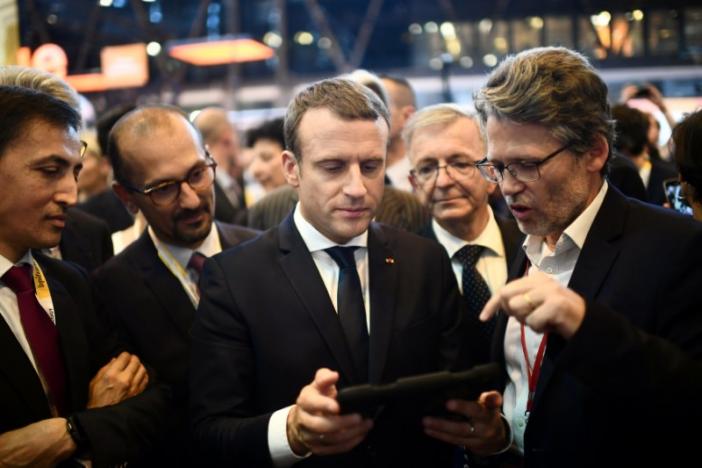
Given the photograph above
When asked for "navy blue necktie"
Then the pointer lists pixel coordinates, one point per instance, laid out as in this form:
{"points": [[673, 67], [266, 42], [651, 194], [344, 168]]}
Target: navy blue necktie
{"points": [[350, 308], [475, 290]]}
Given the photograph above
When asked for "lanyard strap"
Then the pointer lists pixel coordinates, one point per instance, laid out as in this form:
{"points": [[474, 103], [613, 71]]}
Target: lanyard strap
{"points": [[41, 290], [533, 372]]}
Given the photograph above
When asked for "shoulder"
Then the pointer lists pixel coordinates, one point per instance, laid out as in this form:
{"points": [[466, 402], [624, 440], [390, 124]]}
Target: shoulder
{"points": [[231, 234], [71, 275]]}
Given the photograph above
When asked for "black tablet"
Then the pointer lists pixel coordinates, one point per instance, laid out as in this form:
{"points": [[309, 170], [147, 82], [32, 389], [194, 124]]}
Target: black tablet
{"points": [[425, 393]]}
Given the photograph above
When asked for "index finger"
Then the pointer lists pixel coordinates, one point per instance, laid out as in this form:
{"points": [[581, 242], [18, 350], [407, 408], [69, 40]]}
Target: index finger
{"points": [[491, 308]]}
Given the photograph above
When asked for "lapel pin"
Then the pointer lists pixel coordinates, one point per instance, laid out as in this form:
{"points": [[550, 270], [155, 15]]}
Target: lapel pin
{"points": [[389, 260]]}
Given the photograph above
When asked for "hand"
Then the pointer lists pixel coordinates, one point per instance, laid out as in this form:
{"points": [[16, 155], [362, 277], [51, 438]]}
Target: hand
{"points": [[655, 96], [41, 444], [314, 423], [483, 433], [121, 378], [539, 302]]}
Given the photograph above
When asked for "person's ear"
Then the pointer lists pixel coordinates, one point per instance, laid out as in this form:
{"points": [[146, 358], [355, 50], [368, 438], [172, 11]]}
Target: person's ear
{"points": [[291, 168], [126, 197], [596, 156]]}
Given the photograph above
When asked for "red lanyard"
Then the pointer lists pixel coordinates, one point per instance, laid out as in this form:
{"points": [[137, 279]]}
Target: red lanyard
{"points": [[532, 372]]}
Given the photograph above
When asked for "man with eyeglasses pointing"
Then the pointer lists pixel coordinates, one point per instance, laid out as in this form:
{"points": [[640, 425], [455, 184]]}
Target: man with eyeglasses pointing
{"points": [[599, 331], [149, 292], [444, 143]]}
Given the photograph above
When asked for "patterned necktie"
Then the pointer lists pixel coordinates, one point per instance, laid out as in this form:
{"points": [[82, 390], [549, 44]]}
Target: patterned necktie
{"points": [[196, 264], [41, 333], [350, 308], [475, 290]]}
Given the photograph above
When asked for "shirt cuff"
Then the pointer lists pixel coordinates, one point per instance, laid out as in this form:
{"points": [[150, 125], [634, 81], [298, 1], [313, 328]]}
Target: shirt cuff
{"points": [[278, 446], [510, 436]]}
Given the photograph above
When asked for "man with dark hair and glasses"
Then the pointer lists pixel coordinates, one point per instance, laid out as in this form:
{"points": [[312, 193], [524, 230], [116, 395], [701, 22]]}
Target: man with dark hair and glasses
{"points": [[443, 144], [599, 331], [149, 292]]}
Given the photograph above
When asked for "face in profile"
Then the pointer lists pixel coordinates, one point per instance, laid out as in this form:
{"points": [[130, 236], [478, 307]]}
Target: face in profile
{"points": [[340, 174], [38, 176], [171, 153]]}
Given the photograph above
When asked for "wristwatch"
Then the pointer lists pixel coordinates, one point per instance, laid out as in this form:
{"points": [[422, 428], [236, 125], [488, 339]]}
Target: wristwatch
{"points": [[76, 434]]}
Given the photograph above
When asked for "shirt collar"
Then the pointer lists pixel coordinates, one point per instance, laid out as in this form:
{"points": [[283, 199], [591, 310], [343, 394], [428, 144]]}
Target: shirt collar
{"points": [[315, 240], [490, 238], [209, 247], [575, 234], [6, 264]]}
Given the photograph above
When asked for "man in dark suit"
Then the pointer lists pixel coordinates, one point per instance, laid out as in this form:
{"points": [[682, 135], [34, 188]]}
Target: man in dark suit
{"points": [[85, 240], [443, 144], [600, 333], [325, 300], [149, 291], [52, 409]]}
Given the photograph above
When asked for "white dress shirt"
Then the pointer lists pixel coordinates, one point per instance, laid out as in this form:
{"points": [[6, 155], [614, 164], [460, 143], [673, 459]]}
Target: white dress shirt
{"points": [[176, 259], [281, 453], [492, 264], [559, 264]]}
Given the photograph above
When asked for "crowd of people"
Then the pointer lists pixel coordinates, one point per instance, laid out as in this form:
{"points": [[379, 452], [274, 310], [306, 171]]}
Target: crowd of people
{"points": [[153, 314]]}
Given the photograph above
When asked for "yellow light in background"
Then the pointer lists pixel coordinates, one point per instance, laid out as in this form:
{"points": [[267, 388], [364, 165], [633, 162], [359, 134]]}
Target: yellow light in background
{"points": [[500, 44], [431, 27], [453, 47], [536, 22], [448, 30], [601, 19], [638, 15], [220, 51], [304, 38], [490, 60], [324, 43], [153, 49], [415, 28], [105, 3], [272, 39], [485, 25]]}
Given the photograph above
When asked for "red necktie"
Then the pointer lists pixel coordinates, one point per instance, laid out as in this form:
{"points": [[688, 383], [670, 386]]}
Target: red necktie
{"points": [[196, 264], [41, 334]]}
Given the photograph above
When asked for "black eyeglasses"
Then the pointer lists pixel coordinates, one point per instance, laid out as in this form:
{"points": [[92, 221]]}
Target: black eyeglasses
{"points": [[165, 193], [429, 171], [523, 171]]}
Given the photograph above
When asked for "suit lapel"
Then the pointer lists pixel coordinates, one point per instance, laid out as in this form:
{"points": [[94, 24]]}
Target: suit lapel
{"points": [[227, 237], [163, 284], [21, 375], [67, 319], [382, 279], [299, 267]]}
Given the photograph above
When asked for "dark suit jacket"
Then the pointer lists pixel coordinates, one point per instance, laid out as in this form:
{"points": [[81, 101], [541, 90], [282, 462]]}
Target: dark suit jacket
{"points": [[623, 389], [116, 433], [512, 239], [148, 308], [85, 240], [108, 207], [225, 211], [265, 325], [397, 208]]}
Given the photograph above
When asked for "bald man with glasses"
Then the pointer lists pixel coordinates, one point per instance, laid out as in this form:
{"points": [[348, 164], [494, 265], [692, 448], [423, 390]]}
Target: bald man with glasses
{"points": [[149, 292]]}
